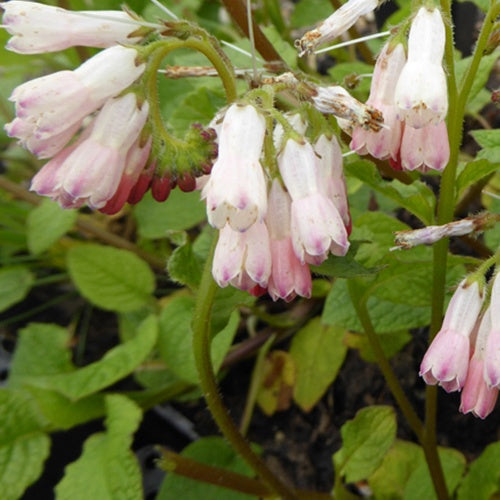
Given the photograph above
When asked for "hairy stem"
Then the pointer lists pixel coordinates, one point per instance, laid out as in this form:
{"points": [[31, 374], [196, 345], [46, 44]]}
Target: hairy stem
{"points": [[201, 349]]}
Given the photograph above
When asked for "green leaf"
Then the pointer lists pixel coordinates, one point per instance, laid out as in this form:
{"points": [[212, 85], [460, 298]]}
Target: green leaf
{"points": [[199, 106], [416, 197], [345, 267], [180, 212], [483, 479], [176, 338], [391, 342], [107, 469], [23, 444], [185, 267], [386, 316], [318, 352], [473, 172], [420, 483], [365, 441], [309, 12], [482, 73], [112, 279], [489, 140], [46, 224], [115, 364], [214, 451], [44, 349], [389, 480], [15, 283]]}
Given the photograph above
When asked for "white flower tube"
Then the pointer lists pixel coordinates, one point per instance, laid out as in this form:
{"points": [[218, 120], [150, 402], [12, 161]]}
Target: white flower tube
{"points": [[421, 91], [236, 191], [38, 28]]}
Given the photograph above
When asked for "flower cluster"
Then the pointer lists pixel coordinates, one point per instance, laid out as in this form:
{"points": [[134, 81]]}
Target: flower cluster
{"points": [[103, 164], [273, 225], [465, 354], [411, 93]]}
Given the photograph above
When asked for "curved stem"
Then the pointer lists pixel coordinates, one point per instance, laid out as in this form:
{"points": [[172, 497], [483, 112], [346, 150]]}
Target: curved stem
{"points": [[201, 349], [359, 302]]}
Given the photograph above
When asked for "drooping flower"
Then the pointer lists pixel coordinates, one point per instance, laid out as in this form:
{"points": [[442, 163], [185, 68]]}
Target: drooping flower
{"points": [[90, 170], [339, 22], [384, 143], [51, 109], [242, 259], [38, 28], [477, 397], [289, 277], [316, 225], [236, 191], [447, 359], [425, 147], [331, 174], [492, 351], [421, 91]]}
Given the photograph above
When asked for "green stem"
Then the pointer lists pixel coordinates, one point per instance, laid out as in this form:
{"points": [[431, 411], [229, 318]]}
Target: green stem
{"points": [[358, 299], [446, 205], [201, 349], [359, 302]]}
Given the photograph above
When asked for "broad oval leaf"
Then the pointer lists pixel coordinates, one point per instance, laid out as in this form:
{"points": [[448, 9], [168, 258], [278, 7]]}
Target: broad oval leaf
{"points": [[110, 278], [15, 283]]}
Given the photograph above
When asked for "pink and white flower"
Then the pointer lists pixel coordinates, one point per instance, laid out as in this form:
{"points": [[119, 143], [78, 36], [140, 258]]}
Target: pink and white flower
{"points": [[242, 259], [447, 359], [492, 351], [38, 28], [236, 191], [477, 397], [289, 277], [51, 109], [90, 170], [425, 147], [421, 91], [316, 225], [386, 142]]}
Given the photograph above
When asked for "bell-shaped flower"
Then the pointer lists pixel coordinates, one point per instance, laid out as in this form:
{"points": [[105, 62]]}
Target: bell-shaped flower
{"points": [[236, 191], [90, 170], [492, 351], [447, 359], [424, 148], [242, 259], [50, 109], [289, 277], [421, 91], [332, 176], [477, 397], [316, 225], [386, 142], [335, 25], [38, 28]]}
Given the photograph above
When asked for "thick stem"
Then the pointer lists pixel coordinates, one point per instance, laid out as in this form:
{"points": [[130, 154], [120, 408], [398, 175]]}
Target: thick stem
{"points": [[201, 349]]}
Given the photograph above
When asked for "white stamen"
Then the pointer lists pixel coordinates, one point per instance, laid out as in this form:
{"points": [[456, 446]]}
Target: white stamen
{"points": [[353, 42], [493, 195], [349, 153], [164, 9], [251, 38], [239, 49]]}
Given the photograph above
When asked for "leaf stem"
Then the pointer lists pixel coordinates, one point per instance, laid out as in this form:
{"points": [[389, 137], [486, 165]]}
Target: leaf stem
{"points": [[201, 349]]}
